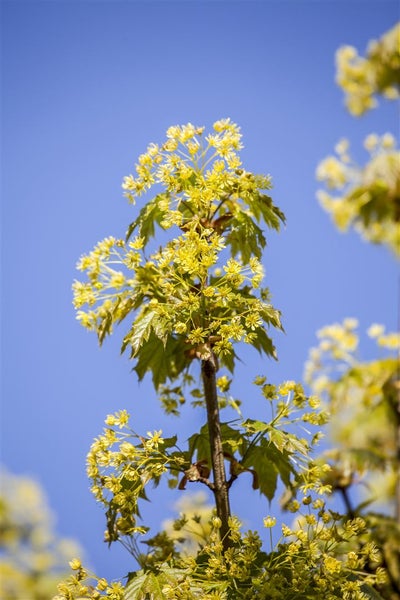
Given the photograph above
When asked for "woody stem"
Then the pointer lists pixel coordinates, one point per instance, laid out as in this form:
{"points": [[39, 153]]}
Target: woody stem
{"points": [[208, 371]]}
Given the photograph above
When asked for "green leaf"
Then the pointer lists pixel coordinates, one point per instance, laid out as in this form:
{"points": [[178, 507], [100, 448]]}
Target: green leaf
{"points": [[105, 327], [272, 316], [125, 306], [263, 205], [259, 459], [170, 442], [269, 462], [282, 462], [245, 237], [148, 217], [145, 586], [370, 592], [263, 343], [232, 440], [149, 585], [253, 426], [142, 328], [228, 360], [164, 362], [200, 443]]}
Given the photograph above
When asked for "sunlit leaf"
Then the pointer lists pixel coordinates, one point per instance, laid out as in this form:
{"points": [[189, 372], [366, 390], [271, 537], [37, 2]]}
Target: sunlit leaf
{"points": [[148, 217]]}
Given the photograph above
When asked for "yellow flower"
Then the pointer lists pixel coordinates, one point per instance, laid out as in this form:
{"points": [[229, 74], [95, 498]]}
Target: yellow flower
{"points": [[342, 146], [390, 340], [137, 243], [371, 142], [102, 584], [311, 519], [110, 420], [197, 336], [286, 531], [180, 327], [222, 125], [117, 280], [333, 172], [375, 330], [75, 564], [350, 323], [223, 383], [269, 522], [332, 565], [287, 387]]}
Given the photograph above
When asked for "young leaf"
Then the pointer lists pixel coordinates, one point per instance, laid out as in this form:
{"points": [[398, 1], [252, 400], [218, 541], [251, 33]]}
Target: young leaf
{"points": [[142, 329], [259, 459], [245, 237], [149, 215], [164, 362], [105, 327]]}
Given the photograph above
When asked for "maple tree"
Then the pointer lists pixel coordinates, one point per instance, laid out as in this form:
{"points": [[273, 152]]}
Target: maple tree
{"points": [[185, 306], [188, 305]]}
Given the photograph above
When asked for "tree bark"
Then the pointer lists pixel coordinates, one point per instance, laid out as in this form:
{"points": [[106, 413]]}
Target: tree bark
{"points": [[396, 385], [208, 371]]}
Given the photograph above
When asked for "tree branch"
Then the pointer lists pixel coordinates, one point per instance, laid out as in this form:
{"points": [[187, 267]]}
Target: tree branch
{"points": [[208, 371]]}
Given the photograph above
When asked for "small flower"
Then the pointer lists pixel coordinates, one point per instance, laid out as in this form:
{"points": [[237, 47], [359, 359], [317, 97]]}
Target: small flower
{"points": [[223, 383], [333, 172], [371, 142], [137, 243], [269, 522], [342, 146], [75, 564], [286, 531], [216, 522], [332, 565], [375, 330], [197, 336], [387, 141], [350, 323]]}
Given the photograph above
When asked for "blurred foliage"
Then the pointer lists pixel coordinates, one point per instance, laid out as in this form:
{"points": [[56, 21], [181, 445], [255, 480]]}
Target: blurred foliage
{"points": [[366, 198], [192, 528], [32, 556], [378, 73], [364, 395], [363, 399]]}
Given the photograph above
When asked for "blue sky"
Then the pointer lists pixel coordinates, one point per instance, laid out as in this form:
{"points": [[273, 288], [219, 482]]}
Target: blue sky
{"points": [[86, 86]]}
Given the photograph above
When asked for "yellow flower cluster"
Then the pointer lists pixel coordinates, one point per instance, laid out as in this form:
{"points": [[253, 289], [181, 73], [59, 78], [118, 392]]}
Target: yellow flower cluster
{"points": [[390, 340], [361, 395], [367, 197], [215, 206], [32, 556], [83, 584], [120, 464], [362, 78], [336, 353], [183, 154], [172, 282], [317, 551]]}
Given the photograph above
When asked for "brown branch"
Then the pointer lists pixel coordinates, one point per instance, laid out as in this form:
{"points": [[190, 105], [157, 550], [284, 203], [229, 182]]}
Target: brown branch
{"points": [[198, 471], [208, 371]]}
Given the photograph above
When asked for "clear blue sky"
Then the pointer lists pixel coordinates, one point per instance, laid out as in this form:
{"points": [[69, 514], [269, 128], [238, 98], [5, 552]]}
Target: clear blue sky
{"points": [[86, 86]]}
